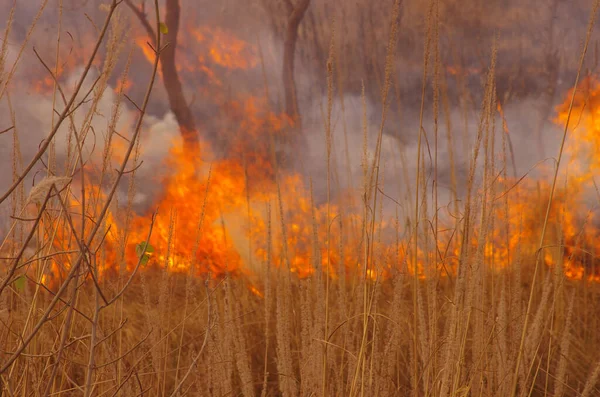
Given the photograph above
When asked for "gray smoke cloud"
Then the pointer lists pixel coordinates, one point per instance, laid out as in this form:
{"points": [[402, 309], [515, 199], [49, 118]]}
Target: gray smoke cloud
{"points": [[523, 32]]}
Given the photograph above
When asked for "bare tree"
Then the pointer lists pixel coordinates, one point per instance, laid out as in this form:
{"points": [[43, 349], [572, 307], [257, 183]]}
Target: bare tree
{"points": [[177, 102], [295, 14]]}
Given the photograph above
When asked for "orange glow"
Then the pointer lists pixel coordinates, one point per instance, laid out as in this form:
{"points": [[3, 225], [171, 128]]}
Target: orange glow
{"points": [[226, 50], [215, 49], [143, 43], [123, 85], [71, 57], [256, 292], [212, 208], [460, 71]]}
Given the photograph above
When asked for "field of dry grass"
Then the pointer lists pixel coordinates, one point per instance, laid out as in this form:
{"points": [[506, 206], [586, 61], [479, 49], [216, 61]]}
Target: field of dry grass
{"points": [[236, 281]]}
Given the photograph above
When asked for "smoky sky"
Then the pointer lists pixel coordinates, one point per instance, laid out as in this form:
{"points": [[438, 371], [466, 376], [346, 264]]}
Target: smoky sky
{"points": [[537, 44]]}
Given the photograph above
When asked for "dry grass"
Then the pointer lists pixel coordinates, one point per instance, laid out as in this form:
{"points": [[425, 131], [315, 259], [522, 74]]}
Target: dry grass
{"points": [[457, 326]]}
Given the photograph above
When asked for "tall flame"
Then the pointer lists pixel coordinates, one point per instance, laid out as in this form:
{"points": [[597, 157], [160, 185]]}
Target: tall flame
{"points": [[213, 217]]}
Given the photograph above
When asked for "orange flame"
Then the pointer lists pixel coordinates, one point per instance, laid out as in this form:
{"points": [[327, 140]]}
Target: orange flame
{"points": [[213, 219]]}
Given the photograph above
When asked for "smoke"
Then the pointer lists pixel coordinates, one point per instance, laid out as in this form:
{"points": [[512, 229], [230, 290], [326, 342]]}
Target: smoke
{"points": [[399, 148], [34, 117], [524, 36]]}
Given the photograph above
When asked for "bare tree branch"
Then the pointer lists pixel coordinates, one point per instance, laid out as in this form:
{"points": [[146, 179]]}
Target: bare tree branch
{"points": [[32, 233], [7, 129], [65, 113], [102, 214], [177, 102], [141, 15], [289, 50], [137, 266]]}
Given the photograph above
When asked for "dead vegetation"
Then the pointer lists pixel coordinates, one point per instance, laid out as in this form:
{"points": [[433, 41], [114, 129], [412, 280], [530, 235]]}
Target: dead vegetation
{"points": [[90, 304]]}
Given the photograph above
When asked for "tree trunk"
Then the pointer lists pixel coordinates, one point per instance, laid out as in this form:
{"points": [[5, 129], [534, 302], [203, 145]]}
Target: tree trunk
{"points": [[177, 102], [289, 50]]}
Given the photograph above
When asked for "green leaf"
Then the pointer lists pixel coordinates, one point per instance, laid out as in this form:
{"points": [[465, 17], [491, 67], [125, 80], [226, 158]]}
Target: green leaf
{"points": [[139, 250], [163, 28], [20, 283]]}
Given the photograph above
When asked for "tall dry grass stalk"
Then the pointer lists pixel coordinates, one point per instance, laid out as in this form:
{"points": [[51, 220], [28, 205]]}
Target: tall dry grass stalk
{"points": [[552, 191], [422, 315]]}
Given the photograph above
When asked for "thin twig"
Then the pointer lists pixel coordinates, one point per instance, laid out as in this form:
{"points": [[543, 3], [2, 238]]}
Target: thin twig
{"points": [[65, 113], [32, 232], [141, 15], [7, 129], [195, 360], [137, 266], [550, 200], [104, 209]]}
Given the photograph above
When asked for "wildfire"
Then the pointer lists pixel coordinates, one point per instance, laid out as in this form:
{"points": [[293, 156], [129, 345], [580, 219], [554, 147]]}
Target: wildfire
{"points": [[572, 235], [72, 54], [584, 139], [214, 216], [225, 49], [213, 50]]}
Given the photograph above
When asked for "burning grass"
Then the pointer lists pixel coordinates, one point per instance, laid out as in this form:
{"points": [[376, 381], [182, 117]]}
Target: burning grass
{"points": [[236, 279]]}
